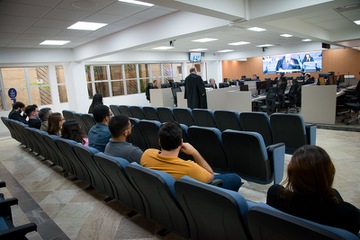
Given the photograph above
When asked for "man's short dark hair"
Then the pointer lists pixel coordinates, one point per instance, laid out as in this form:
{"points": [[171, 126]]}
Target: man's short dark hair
{"points": [[118, 124], [170, 135], [18, 105], [192, 69], [30, 108], [44, 113], [100, 112]]}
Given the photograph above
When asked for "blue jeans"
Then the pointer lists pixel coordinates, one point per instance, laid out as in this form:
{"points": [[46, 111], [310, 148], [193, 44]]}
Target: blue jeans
{"points": [[230, 181]]}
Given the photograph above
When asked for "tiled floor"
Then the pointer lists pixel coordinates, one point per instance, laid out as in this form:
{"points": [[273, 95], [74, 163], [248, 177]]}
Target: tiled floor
{"points": [[63, 209]]}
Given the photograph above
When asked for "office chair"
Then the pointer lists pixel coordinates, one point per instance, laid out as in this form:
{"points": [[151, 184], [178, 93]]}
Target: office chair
{"points": [[354, 106]]}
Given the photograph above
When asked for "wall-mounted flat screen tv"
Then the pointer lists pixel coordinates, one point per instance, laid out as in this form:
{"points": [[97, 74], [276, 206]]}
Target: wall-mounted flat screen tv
{"points": [[293, 62], [195, 56]]}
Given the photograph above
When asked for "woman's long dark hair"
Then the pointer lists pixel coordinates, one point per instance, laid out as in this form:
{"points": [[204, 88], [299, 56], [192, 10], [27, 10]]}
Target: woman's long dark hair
{"points": [[71, 130]]}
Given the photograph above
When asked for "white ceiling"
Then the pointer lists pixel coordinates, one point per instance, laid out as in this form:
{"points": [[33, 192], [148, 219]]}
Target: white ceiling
{"points": [[26, 23]]}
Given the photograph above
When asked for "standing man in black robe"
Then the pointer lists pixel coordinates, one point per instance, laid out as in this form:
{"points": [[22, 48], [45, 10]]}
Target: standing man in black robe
{"points": [[195, 92]]}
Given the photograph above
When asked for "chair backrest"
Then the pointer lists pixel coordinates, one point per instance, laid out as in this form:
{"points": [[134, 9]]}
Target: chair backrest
{"points": [[257, 122], [212, 212], [175, 90], [266, 222], [124, 191], [137, 136], [68, 114], [212, 149], [54, 155], [289, 129], [89, 121], [137, 112], [226, 119], [204, 117], [165, 114], [157, 192], [247, 156], [150, 130], [125, 110], [184, 116], [80, 121], [115, 109], [270, 100], [151, 113]]}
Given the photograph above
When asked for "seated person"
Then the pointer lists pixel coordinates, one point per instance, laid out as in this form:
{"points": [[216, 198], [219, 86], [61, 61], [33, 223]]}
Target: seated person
{"points": [[167, 160], [150, 86], [120, 128], [44, 114], [309, 194], [32, 111], [308, 79], [213, 83], [17, 113], [55, 123], [72, 130], [99, 134]]}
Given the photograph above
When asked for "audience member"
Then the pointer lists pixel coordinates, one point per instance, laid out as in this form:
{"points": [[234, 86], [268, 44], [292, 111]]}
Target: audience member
{"points": [[72, 130], [97, 100], [213, 83], [167, 160], [150, 86], [308, 79], [120, 128], [55, 123], [99, 134], [309, 194], [17, 113], [195, 92], [44, 114], [255, 77], [32, 111]]}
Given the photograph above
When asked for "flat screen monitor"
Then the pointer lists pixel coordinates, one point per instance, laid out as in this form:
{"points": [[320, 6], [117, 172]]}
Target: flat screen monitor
{"points": [[244, 87], [223, 85], [195, 56]]}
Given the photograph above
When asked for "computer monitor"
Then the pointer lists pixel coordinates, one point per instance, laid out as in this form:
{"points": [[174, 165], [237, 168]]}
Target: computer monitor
{"points": [[247, 79], [261, 87], [244, 87], [223, 85]]}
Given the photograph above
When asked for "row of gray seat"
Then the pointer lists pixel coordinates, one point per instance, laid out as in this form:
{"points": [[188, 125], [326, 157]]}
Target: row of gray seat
{"points": [[180, 206]]}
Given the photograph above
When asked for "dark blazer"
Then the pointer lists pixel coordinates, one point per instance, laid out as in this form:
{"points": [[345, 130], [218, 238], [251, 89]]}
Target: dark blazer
{"points": [[195, 92], [14, 114]]}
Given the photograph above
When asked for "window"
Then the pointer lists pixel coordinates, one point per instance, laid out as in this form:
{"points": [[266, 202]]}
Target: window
{"points": [[61, 83]]}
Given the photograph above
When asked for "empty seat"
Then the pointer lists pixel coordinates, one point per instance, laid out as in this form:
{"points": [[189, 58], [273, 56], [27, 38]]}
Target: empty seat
{"points": [[212, 212], [150, 130], [137, 112], [68, 114], [248, 156], [204, 117], [89, 121], [157, 192], [226, 119], [81, 122], [268, 223], [115, 109], [125, 110], [184, 116], [209, 144], [136, 137], [151, 113], [257, 122], [165, 114], [292, 130]]}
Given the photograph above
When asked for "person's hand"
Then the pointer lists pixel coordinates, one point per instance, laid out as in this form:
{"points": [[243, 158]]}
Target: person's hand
{"points": [[187, 148]]}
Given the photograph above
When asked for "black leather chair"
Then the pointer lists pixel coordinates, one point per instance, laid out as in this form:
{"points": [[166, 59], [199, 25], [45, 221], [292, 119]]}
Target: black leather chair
{"points": [[291, 129], [226, 119], [89, 121], [248, 156], [68, 114], [271, 105], [212, 149], [212, 212], [354, 106], [137, 112], [80, 121], [124, 191], [115, 109], [125, 110], [257, 122], [184, 116], [267, 223], [165, 114], [151, 113], [150, 130], [137, 136], [204, 117], [157, 192]]}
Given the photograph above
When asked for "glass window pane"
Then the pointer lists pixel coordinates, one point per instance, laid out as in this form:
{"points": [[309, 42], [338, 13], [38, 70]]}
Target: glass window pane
{"points": [[143, 84], [167, 71], [155, 71], [178, 72], [88, 74], [130, 71], [60, 74], [1, 102], [13, 77], [38, 76], [117, 88], [131, 86], [22, 96], [41, 95], [116, 72], [100, 73], [62, 93], [144, 70], [90, 90], [102, 88]]}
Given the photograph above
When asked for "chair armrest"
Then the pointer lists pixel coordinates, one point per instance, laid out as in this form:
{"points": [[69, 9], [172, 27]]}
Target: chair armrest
{"points": [[216, 182], [276, 153], [5, 206], [18, 232], [2, 184], [310, 133]]}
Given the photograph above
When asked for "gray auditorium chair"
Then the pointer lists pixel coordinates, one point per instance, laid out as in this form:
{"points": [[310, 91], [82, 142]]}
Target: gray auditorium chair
{"points": [[115, 109], [268, 223], [80, 121], [165, 114], [68, 114], [213, 212], [291, 129], [184, 116], [124, 191], [248, 156], [137, 137], [257, 122], [204, 117], [125, 110], [150, 130], [208, 142], [88, 120], [137, 112], [226, 119], [150, 113], [157, 192]]}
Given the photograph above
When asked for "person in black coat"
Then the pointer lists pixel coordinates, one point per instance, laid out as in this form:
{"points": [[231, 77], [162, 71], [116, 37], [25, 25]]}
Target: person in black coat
{"points": [[15, 113], [97, 100], [195, 92]]}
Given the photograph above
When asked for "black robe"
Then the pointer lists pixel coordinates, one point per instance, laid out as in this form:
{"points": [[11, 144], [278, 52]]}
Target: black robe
{"points": [[195, 92]]}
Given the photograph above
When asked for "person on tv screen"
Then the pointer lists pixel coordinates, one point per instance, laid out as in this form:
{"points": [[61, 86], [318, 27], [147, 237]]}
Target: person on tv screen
{"points": [[287, 63], [307, 58]]}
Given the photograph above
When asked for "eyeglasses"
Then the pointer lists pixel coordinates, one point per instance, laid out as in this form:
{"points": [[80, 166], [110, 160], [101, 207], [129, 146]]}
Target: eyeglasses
{"points": [[131, 126]]}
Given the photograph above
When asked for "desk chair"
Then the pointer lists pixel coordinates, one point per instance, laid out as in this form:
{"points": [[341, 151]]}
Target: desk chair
{"points": [[354, 106], [270, 105]]}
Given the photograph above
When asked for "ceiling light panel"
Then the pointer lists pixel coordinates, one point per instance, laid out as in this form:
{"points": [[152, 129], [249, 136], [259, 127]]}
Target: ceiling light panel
{"points": [[137, 2], [163, 48], [225, 50], [238, 43], [198, 49], [257, 29], [54, 42], [286, 35], [91, 26], [202, 40]]}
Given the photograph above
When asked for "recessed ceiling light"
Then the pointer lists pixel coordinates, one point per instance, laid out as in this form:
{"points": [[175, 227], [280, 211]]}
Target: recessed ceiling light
{"points": [[225, 50], [137, 2], [205, 40], [87, 26], [286, 35], [306, 40], [256, 29], [238, 43], [197, 49], [163, 48], [265, 45], [357, 22], [54, 42]]}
